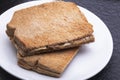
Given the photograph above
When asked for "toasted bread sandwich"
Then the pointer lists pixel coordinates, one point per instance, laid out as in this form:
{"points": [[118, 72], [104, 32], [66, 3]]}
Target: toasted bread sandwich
{"points": [[49, 27], [51, 64]]}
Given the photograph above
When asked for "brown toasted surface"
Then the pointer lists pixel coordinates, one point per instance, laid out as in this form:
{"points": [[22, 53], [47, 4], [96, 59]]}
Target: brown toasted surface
{"points": [[55, 62], [48, 24]]}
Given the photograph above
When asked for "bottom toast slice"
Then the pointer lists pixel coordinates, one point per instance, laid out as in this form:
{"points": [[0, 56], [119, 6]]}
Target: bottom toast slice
{"points": [[52, 64]]}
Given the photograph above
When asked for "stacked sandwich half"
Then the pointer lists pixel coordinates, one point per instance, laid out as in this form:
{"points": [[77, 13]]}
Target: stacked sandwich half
{"points": [[47, 36]]}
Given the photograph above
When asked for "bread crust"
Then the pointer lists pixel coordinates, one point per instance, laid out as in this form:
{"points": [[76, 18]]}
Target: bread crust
{"points": [[57, 47]]}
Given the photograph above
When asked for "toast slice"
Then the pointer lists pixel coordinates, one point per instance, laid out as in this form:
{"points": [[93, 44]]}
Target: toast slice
{"points": [[49, 27], [52, 64]]}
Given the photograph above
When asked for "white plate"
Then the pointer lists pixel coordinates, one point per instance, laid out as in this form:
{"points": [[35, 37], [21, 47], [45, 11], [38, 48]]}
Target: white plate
{"points": [[90, 60]]}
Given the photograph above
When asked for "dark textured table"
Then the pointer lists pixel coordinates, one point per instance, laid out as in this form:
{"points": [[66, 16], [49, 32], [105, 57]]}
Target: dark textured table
{"points": [[109, 12]]}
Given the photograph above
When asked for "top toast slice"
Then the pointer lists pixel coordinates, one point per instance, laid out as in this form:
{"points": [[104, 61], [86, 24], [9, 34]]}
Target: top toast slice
{"points": [[48, 24]]}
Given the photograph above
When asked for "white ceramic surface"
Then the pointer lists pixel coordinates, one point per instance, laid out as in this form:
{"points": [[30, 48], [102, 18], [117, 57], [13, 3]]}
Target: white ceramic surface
{"points": [[90, 60]]}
